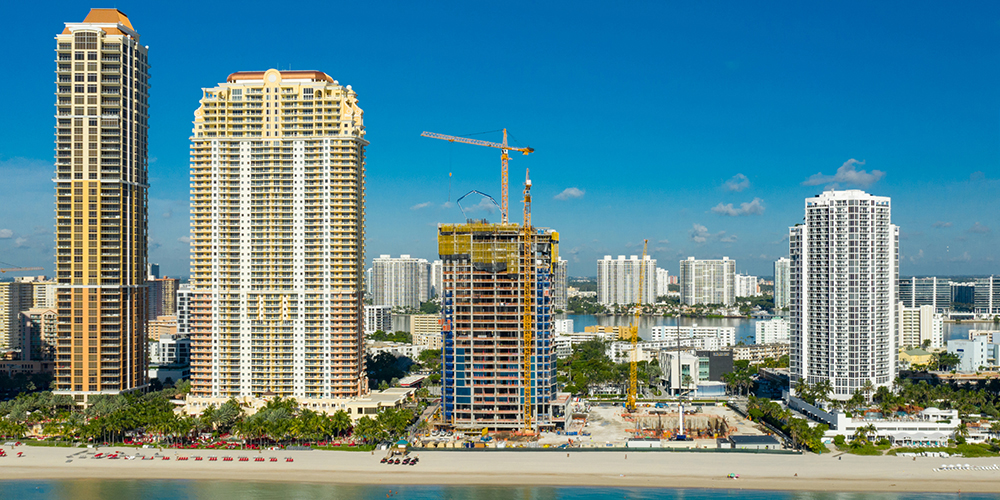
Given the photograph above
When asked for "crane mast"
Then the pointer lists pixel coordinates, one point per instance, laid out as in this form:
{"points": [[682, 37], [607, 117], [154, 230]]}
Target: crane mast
{"points": [[504, 157], [528, 278], [633, 370]]}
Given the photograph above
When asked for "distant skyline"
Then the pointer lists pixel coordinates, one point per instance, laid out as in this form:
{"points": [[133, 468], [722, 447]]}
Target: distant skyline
{"points": [[702, 127]]}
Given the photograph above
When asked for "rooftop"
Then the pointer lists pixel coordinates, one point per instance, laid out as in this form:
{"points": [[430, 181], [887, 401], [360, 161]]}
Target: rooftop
{"points": [[299, 75], [108, 16]]}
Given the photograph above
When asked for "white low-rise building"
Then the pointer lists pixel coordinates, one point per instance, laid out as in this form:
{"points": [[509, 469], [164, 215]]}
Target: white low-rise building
{"points": [[395, 348], [564, 342], [170, 350], [378, 318], [772, 331], [930, 427], [917, 325], [563, 326], [718, 337], [621, 351]]}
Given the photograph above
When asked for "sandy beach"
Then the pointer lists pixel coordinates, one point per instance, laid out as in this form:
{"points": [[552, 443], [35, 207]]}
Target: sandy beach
{"points": [[604, 468]]}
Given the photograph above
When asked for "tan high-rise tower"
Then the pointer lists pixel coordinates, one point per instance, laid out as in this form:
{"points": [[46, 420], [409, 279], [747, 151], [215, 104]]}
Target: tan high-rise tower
{"points": [[102, 92], [277, 239]]}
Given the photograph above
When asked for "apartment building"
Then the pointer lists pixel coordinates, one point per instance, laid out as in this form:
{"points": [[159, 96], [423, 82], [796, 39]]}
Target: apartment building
{"points": [[277, 240], [746, 286], [403, 281], [844, 273], [934, 292], [102, 115], [782, 268], [708, 281], [378, 318], [618, 280], [425, 330], [560, 285], [917, 325], [987, 295], [772, 331], [683, 335]]}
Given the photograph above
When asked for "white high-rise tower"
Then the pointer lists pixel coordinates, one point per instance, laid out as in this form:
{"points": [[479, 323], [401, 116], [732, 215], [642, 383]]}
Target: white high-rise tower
{"points": [[782, 268], [277, 239], [844, 274]]}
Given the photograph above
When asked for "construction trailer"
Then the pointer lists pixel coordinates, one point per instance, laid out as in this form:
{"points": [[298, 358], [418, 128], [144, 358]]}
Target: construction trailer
{"points": [[485, 269]]}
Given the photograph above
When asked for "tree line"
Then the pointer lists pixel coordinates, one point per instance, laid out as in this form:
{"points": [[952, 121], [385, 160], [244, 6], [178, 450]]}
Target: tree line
{"points": [[136, 416]]}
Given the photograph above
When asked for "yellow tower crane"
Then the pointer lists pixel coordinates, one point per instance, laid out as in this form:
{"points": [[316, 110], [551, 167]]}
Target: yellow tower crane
{"points": [[634, 334], [528, 279], [15, 269], [503, 147]]}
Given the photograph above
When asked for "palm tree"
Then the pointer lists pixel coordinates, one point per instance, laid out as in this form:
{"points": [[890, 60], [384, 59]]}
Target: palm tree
{"points": [[340, 422], [962, 432], [995, 429], [867, 389]]}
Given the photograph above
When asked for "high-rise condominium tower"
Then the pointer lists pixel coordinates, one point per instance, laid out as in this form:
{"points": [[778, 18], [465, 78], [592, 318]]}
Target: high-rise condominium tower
{"points": [[488, 277], [618, 280], [400, 282], [277, 238], [844, 273], [708, 281], [932, 291], [102, 92], [782, 269]]}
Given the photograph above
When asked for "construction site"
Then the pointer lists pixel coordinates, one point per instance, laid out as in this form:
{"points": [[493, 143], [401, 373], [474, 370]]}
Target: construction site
{"points": [[498, 360], [603, 425]]}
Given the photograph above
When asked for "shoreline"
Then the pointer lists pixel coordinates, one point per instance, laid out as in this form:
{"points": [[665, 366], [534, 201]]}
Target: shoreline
{"points": [[591, 469]]}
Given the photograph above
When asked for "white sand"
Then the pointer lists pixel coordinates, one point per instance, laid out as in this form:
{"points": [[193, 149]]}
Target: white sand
{"points": [[594, 468]]}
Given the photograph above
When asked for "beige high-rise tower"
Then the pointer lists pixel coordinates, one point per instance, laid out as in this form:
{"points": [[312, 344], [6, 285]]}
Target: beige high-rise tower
{"points": [[277, 239], [102, 91]]}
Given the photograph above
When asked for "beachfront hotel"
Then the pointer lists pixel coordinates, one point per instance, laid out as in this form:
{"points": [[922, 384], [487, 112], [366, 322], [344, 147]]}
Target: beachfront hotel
{"points": [[102, 91], [843, 281], [277, 241], [485, 276]]}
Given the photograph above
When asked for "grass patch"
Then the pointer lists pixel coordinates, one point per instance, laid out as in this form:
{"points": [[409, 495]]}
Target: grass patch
{"points": [[363, 447], [53, 444], [976, 450], [966, 450], [865, 450]]}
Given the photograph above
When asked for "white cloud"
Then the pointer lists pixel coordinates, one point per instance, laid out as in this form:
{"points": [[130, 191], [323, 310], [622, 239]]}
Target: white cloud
{"points": [[418, 206], [6, 233], [699, 233], [965, 257], [729, 239], [184, 239], [570, 193], [664, 241], [918, 256], [942, 224], [978, 228], [846, 174], [168, 214], [737, 183], [755, 207], [447, 204], [22, 242]]}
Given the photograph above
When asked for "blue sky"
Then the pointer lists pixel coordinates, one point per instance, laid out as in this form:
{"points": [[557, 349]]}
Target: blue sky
{"points": [[701, 126]]}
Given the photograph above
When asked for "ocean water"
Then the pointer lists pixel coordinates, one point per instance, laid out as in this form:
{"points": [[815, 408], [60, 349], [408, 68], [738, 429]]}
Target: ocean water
{"points": [[219, 490]]}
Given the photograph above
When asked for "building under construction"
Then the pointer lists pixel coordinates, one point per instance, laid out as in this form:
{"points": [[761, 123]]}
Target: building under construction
{"points": [[493, 351]]}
